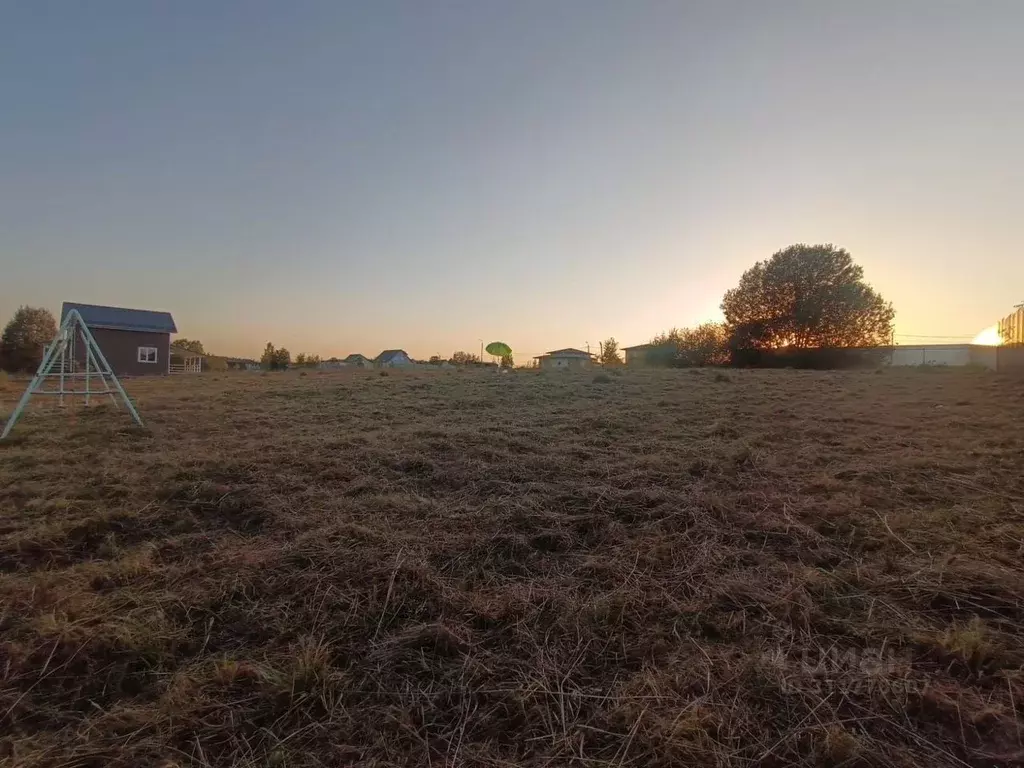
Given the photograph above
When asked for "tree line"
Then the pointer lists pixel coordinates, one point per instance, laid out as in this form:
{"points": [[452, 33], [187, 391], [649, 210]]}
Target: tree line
{"points": [[808, 300], [807, 305]]}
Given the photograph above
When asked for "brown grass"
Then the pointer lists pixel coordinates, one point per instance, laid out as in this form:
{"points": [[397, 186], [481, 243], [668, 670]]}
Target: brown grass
{"points": [[452, 568]]}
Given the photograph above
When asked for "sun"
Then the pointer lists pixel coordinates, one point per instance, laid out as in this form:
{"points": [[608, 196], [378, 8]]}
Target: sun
{"points": [[989, 337]]}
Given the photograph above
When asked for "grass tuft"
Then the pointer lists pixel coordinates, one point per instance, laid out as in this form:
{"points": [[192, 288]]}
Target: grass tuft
{"points": [[968, 641]]}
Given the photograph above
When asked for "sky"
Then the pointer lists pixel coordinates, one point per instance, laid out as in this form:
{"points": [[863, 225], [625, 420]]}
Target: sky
{"points": [[342, 177]]}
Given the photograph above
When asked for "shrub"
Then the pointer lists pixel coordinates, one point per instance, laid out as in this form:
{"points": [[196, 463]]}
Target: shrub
{"points": [[25, 337], [602, 378]]}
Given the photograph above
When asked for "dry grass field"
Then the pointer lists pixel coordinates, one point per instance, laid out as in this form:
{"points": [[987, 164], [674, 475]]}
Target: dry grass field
{"points": [[741, 568]]}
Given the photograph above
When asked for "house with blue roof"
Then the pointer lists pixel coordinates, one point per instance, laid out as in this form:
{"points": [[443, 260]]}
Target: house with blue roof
{"points": [[135, 342]]}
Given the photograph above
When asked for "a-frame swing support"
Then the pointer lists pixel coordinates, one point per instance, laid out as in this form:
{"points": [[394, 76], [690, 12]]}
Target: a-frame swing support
{"points": [[61, 352]]}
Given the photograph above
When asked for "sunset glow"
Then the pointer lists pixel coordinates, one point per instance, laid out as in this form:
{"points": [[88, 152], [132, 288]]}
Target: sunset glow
{"points": [[989, 337]]}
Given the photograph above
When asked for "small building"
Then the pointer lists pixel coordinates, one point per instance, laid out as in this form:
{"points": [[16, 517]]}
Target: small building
{"points": [[358, 361], [568, 359], [135, 342], [392, 358], [184, 360], [242, 364], [637, 356]]}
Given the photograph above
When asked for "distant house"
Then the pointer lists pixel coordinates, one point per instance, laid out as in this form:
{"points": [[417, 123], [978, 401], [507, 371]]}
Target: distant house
{"points": [[565, 358], [392, 358], [135, 342], [358, 361], [331, 364], [637, 356]]}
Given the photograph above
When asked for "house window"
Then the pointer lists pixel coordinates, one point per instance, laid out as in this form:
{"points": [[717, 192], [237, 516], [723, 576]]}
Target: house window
{"points": [[147, 354]]}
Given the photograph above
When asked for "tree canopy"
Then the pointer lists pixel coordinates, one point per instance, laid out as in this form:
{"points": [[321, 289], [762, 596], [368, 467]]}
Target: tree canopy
{"points": [[464, 358], [192, 345], [609, 352], [275, 359], [707, 344], [806, 296], [25, 338]]}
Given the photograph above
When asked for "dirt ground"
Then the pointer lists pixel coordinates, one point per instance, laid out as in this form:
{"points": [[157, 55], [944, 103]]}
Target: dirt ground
{"points": [[450, 568]]}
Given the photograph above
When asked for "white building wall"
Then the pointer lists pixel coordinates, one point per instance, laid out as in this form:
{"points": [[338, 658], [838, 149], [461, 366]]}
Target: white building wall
{"points": [[942, 354]]}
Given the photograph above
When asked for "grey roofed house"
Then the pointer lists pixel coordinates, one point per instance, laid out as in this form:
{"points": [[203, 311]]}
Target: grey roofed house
{"points": [[638, 353], [357, 359], [121, 319], [390, 357], [565, 358], [567, 352]]}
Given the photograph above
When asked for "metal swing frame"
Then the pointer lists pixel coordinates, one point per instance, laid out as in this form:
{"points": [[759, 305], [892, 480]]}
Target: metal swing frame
{"points": [[61, 354]]}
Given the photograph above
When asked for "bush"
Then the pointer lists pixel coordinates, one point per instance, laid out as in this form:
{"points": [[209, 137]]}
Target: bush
{"points": [[383, 373], [24, 339], [602, 378], [707, 344]]}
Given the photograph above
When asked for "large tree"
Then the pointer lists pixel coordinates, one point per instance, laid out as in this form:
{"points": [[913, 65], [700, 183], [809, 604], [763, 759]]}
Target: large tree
{"points": [[25, 338], [275, 358], [806, 296], [192, 345]]}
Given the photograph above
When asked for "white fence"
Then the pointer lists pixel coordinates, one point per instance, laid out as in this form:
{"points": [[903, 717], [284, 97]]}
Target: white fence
{"points": [[192, 365], [944, 354]]}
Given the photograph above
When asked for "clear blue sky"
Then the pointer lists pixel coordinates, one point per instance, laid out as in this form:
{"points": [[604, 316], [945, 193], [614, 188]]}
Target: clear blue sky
{"points": [[341, 177]]}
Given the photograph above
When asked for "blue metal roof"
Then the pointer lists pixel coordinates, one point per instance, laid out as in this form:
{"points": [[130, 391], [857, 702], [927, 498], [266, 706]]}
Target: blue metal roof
{"points": [[121, 319]]}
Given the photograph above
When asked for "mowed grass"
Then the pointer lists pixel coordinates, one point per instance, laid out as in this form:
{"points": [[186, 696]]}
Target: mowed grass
{"points": [[464, 569]]}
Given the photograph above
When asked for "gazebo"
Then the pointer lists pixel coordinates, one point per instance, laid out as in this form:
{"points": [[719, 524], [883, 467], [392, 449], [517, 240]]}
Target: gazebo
{"points": [[185, 361]]}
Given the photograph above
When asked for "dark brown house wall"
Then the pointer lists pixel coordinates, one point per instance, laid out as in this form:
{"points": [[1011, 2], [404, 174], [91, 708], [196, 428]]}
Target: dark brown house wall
{"points": [[121, 348]]}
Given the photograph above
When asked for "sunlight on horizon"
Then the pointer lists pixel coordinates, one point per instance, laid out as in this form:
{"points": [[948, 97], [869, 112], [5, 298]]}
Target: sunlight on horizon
{"points": [[989, 337]]}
